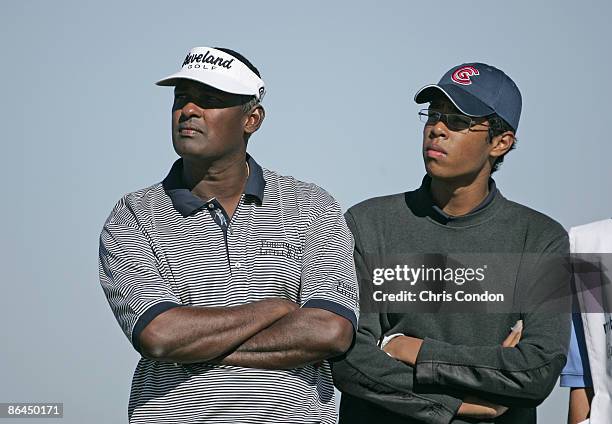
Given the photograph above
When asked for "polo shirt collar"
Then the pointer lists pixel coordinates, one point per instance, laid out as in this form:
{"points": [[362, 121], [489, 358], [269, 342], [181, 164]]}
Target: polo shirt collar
{"points": [[187, 203], [255, 183], [439, 215]]}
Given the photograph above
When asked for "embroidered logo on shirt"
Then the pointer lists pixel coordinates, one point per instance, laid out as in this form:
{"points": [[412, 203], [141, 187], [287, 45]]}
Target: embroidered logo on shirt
{"points": [[280, 248], [346, 288]]}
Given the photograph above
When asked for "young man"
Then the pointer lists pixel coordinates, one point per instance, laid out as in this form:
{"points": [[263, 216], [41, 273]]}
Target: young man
{"points": [[446, 367], [233, 282]]}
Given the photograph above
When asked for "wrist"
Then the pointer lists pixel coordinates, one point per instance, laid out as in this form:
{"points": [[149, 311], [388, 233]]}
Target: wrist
{"points": [[385, 341]]}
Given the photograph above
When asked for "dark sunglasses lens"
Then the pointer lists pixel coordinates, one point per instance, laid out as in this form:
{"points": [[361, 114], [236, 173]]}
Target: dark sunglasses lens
{"points": [[434, 117], [430, 117], [458, 122], [207, 101]]}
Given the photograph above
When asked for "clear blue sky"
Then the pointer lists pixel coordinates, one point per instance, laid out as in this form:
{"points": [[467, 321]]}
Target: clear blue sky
{"points": [[82, 124]]}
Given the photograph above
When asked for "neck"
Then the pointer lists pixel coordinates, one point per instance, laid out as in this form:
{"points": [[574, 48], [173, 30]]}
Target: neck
{"points": [[459, 196], [223, 179]]}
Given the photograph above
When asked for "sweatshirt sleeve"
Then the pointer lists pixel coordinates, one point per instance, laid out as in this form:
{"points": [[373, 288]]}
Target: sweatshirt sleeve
{"points": [[367, 372], [523, 375]]}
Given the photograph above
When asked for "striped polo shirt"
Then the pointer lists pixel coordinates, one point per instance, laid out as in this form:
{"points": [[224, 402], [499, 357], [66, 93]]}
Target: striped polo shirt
{"points": [[162, 247]]}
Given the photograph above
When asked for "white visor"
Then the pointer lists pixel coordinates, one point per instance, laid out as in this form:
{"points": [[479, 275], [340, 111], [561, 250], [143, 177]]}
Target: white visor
{"points": [[219, 70]]}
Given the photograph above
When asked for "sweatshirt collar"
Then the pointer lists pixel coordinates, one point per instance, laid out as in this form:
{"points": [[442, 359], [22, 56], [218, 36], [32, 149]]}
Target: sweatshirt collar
{"points": [[436, 213]]}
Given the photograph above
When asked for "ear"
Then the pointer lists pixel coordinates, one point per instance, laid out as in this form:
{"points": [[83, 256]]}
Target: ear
{"points": [[254, 119], [501, 144]]}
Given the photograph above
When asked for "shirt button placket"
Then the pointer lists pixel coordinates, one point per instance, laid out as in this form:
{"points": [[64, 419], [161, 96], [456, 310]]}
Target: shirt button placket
{"points": [[238, 263]]}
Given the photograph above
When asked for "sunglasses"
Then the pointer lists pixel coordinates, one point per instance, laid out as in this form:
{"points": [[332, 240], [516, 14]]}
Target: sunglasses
{"points": [[208, 100], [453, 121]]}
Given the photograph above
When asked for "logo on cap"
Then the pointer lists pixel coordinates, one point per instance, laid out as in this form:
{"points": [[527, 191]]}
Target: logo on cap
{"points": [[462, 75], [206, 58]]}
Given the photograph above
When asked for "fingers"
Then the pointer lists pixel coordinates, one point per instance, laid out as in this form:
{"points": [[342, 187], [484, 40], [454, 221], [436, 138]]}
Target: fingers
{"points": [[518, 326], [512, 340], [474, 407], [515, 335]]}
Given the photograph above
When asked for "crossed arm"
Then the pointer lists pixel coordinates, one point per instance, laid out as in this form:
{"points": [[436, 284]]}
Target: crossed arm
{"points": [[406, 349], [430, 381], [272, 333]]}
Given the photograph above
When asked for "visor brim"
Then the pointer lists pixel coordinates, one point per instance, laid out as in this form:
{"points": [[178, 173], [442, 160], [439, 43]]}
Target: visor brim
{"points": [[219, 82]]}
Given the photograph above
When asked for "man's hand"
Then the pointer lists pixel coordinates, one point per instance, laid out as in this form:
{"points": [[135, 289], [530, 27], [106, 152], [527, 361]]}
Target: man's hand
{"points": [[404, 348], [515, 335], [473, 407]]}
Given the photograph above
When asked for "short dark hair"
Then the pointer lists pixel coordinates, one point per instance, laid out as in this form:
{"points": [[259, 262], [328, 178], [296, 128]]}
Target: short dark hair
{"points": [[497, 126], [240, 58], [248, 101]]}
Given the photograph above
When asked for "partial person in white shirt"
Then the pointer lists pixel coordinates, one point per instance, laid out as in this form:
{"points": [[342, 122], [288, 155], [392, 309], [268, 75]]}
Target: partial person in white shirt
{"points": [[589, 368]]}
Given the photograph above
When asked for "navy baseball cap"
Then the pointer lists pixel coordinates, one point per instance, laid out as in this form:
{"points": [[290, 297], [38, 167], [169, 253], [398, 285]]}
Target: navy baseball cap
{"points": [[478, 89]]}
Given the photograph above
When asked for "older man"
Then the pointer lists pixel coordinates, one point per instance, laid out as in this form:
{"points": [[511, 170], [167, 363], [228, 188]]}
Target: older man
{"points": [[233, 282]]}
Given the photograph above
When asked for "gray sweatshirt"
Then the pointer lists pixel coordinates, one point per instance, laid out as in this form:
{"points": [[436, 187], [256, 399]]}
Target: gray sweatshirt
{"points": [[462, 353]]}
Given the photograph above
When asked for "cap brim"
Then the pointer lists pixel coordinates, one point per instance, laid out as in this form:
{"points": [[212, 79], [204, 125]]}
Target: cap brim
{"points": [[229, 85], [464, 101]]}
